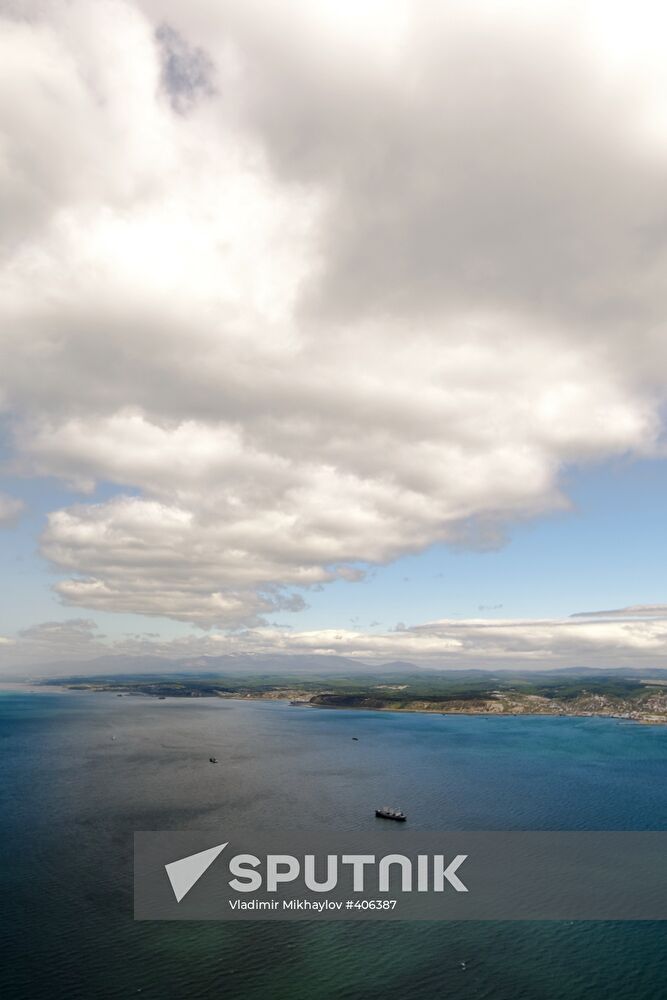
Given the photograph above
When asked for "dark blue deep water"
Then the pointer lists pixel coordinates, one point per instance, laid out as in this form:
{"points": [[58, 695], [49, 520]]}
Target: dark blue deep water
{"points": [[71, 797]]}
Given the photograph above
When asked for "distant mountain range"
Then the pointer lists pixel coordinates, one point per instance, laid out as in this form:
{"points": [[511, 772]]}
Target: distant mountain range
{"points": [[306, 664]]}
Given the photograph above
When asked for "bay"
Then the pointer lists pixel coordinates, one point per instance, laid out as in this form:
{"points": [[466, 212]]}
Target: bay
{"points": [[79, 772]]}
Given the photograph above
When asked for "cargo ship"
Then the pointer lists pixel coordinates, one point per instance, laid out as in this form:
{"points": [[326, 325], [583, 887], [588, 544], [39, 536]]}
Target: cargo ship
{"points": [[386, 813]]}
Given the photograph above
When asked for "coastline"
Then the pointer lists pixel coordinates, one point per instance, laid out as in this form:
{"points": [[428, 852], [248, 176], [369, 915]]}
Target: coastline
{"points": [[474, 713], [31, 687], [506, 706]]}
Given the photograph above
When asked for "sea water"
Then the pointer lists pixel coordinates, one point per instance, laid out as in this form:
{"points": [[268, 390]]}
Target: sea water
{"points": [[80, 772]]}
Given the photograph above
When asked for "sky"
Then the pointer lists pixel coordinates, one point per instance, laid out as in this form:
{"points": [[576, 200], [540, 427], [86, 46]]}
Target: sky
{"points": [[333, 327]]}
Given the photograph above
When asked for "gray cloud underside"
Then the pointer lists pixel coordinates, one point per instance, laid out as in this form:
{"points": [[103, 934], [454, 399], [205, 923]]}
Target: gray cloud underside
{"points": [[318, 285], [632, 611]]}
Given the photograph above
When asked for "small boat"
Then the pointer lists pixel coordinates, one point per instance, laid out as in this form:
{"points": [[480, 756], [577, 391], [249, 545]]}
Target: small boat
{"points": [[386, 813], [213, 760], [356, 738]]}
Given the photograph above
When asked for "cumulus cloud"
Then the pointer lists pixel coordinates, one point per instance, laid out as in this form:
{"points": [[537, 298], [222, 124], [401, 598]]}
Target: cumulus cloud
{"points": [[533, 644], [447, 643], [52, 642], [68, 636], [317, 285]]}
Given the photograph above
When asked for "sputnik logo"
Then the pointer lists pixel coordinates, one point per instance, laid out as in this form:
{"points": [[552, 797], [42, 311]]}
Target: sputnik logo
{"points": [[186, 872], [280, 868]]}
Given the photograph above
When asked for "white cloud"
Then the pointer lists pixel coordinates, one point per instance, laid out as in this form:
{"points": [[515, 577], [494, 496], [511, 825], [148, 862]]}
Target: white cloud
{"points": [[315, 297], [487, 643], [475, 643]]}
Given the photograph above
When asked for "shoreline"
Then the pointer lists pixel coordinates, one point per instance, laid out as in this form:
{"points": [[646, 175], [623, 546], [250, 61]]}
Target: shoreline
{"points": [[304, 699]]}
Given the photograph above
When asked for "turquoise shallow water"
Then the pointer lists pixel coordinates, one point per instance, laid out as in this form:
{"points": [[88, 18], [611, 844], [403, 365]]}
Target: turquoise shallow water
{"points": [[71, 795]]}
